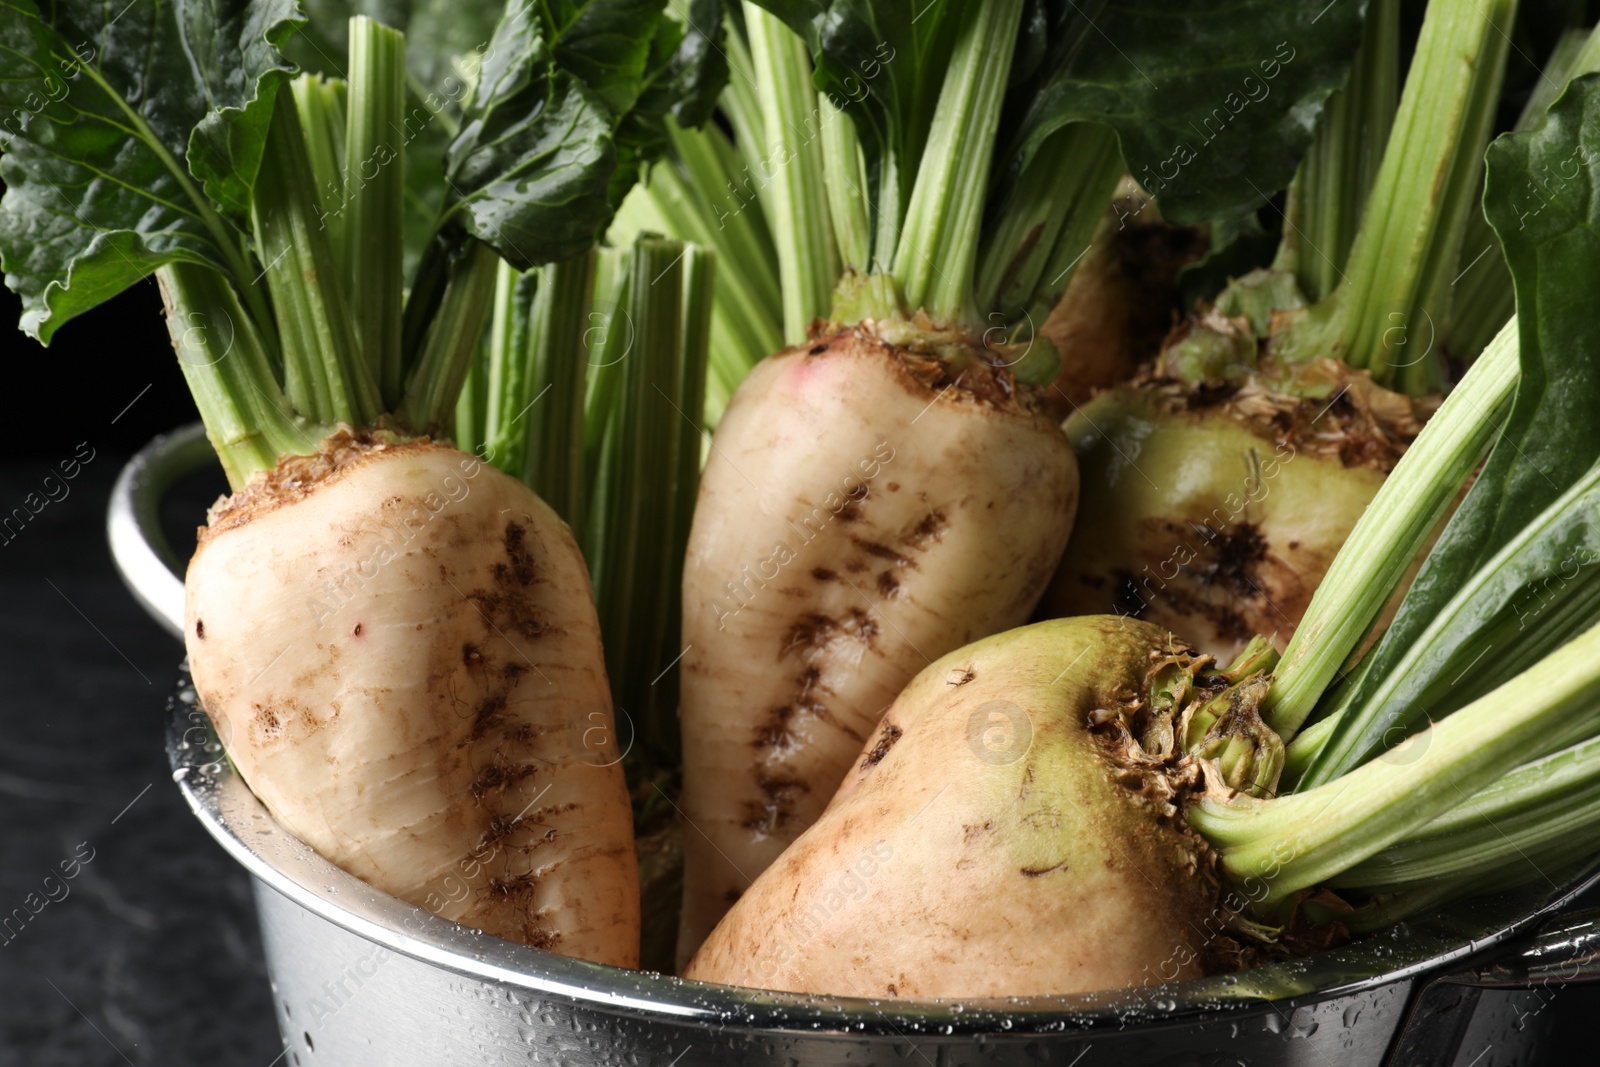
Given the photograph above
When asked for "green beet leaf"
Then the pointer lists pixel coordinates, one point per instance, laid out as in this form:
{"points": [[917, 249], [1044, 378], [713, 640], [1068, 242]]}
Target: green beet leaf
{"points": [[130, 133], [605, 44], [1213, 102], [239, 46], [531, 167], [684, 75], [570, 101], [687, 84]]}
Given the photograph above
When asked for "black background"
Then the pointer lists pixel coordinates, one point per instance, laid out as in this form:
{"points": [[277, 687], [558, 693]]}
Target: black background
{"points": [[85, 385], [153, 956]]}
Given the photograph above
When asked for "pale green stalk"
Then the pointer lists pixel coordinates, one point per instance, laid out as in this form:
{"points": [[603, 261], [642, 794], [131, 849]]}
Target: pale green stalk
{"points": [[374, 183], [247, 418], [937, 258], [1391, 531], [1275, 848], [326, 377], [807, 260], [1387, 311]]}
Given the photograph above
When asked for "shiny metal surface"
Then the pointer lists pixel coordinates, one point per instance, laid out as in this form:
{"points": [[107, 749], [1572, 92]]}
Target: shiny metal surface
{"points": [[362, 978], [152, 571]]}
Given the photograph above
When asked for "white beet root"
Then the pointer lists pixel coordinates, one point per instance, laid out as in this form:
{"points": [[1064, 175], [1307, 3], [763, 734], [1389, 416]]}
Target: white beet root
{"points": [[399, 646], [861, 513]]}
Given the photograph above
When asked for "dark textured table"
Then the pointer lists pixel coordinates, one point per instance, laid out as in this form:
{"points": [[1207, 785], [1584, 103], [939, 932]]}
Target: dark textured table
{"points": [[149, 953]]}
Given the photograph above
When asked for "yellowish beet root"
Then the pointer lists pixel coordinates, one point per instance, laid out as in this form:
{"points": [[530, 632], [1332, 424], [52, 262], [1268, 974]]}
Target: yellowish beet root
{"points": [[1203, 522], [985, 844]]}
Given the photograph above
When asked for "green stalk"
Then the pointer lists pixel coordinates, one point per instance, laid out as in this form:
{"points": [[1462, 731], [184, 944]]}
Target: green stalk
{"points": [[1544, 801], [741, 102], [629, 529], [374, 182], [742, 332], [422, 300], [699, 288], [506, 371], [1304, 748], [845, 175], [1331, 710], [1050, 216], [644, 453], [325, 377], [320, 104], [935, 263], [1559, 862], [1484, 297], [247, 417], [607, 347], [549, 425], [1459, 201], [1390, 532], [1557, 613], [684, 198], [709, 160], [1538, 619], [1276, 848], [1386, 311], [450, 341], [890, 212], [699, 269], [1346, 151], [472, 405], [808, 264], [637, 464]]}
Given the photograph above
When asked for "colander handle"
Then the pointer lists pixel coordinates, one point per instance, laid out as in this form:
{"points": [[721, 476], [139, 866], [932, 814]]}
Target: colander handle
{"points": [[1517, 982], [149, 567], [1563, 951]]}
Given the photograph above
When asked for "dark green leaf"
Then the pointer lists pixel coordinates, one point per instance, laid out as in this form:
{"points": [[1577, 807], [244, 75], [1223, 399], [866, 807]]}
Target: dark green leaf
{"points": [[565, 108], [1514, 573], [540, 161], [685, 74], [238, 45], [1213, 101], [531, 167], [698, 70], [104, 102], [605, 44]]}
